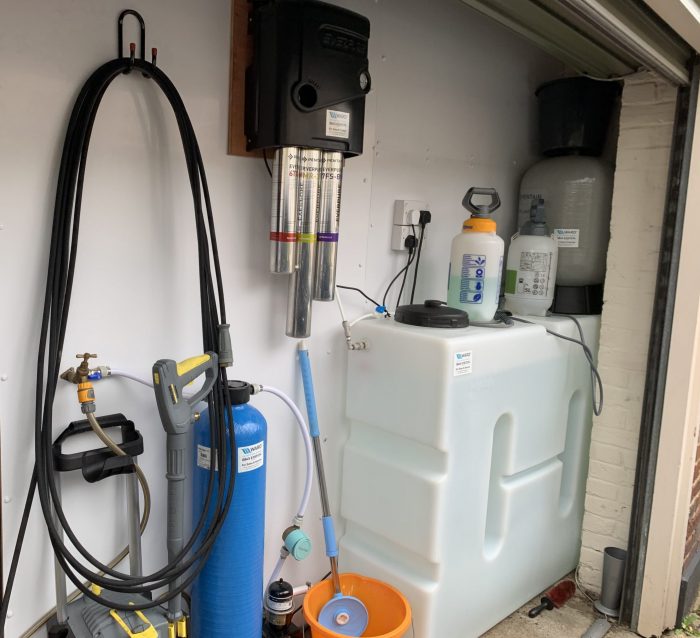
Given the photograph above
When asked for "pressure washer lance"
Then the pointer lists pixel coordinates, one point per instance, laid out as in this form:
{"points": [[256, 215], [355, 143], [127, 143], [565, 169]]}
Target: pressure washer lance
{"points": [[345, 615], [177, 413]]}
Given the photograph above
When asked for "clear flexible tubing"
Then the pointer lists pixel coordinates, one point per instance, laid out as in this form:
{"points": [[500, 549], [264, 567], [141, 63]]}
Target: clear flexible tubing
{"points": [[308, 445], [128, 375]]}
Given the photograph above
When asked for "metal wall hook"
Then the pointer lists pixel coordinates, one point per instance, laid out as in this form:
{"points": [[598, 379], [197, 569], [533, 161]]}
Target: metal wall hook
{"points": [[120, 34]]}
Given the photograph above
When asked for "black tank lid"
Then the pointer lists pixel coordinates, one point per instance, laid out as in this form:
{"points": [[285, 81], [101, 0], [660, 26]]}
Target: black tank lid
{"points": [[432, 314], [239, 391]]}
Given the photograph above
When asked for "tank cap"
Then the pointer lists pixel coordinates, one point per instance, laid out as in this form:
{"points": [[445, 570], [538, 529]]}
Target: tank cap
{"points": [[280, 591], [432, 314], [481, 210], [239, 392]]}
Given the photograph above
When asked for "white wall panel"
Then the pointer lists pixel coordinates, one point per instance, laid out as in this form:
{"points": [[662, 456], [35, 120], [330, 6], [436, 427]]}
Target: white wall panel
{"points": [[452, 106]]}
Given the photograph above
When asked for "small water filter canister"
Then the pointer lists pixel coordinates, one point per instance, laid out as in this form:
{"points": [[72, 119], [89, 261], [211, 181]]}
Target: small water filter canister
{"points": [[301, 283], [328, 225], [476, 263], [284, 211], [227, 596], [531, 270]]}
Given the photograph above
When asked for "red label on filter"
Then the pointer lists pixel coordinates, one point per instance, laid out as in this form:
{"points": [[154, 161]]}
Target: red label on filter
{"points": [[283, 237]]}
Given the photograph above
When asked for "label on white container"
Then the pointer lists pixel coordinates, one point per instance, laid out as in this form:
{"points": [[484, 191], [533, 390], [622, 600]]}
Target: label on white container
{"points": [[471, 286], [533, 274], [338, 123], [251, 457], [566, 237], [204, 458], [462, 363]]}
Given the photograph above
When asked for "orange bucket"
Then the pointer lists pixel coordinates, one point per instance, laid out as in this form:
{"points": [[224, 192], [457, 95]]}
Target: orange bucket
{"points": [[389, 612]]}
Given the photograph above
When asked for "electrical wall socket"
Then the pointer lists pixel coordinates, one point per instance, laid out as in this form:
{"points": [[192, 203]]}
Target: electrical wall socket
{"points": [[406, 214]]}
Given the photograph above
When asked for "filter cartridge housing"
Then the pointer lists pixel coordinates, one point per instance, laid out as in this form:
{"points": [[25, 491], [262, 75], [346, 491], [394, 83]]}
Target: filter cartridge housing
{"points": [[227, 597]]}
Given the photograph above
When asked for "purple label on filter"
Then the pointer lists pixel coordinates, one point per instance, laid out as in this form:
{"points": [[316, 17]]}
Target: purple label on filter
{"points": [[328, 237]]}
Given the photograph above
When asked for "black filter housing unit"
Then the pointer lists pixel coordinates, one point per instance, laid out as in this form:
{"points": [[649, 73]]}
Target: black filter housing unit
{"points": [[309, 77]]}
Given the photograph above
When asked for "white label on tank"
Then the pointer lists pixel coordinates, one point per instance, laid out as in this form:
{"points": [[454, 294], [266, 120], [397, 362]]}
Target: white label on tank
{"points": [[566, 237], [204, 457], [462, 363], [283, 606], [251, 457], [337, 123], [533, 274]]}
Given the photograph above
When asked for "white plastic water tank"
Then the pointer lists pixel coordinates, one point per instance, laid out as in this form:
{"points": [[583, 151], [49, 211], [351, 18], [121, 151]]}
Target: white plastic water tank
{"points": [[577, 193], [464, 473]]}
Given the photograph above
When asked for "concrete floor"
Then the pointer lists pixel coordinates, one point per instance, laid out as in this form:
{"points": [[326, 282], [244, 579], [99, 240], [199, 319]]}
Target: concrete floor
{"points": [[571, 621]]}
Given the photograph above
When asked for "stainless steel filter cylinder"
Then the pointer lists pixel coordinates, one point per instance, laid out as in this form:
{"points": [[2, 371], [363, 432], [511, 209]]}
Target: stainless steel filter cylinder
{"points": [[285, 201], [328, 225], [301, 283]]}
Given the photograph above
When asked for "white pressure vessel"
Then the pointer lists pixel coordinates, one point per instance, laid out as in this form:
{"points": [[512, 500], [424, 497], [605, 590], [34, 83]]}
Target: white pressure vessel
{"points": [[476, 262], [578, 192], [532, 266]]}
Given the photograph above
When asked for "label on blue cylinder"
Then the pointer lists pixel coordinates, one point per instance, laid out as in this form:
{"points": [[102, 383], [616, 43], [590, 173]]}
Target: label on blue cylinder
{"points": [[204, 458], [251, 457]]}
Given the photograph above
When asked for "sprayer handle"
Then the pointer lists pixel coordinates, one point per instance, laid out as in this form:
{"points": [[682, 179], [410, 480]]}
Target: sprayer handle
{"points": [[481, 209]]}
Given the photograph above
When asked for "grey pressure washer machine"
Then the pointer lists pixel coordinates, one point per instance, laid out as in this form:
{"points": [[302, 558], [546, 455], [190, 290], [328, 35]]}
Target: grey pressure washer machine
{"points": [[83, 617]]}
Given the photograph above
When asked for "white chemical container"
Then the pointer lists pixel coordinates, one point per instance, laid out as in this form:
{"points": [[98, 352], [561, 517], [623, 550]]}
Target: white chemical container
{"points": [[476, 260], [531, 269], [464, 473]]}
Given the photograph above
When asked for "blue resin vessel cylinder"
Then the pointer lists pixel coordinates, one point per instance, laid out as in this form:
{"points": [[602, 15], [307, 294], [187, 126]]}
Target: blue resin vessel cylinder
{"points": [[227, 595]]}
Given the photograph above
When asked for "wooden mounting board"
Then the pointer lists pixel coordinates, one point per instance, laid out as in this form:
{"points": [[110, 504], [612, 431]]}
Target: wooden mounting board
{"points": [[241, 58]]}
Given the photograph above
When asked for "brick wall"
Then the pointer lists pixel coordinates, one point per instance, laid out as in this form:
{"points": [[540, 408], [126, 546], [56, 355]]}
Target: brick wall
{"points": [[646, 127], [692, 539]]}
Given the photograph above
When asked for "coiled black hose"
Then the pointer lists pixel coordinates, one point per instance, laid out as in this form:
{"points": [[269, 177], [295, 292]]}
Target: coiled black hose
{"points": [[61, 268]]}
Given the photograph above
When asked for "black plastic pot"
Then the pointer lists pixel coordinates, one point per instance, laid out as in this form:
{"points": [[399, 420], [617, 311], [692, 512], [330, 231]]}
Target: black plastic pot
{"points": [[574, 115]]}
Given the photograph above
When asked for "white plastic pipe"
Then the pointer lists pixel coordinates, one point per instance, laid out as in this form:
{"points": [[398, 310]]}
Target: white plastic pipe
{"points": [[308, 446], [129, 375], [278, 567], [369, 315]]}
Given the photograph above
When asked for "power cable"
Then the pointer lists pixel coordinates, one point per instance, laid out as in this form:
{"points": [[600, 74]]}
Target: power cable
{"points": [[267, 162], [596, 380], [366, 296], [403, 271], [420, 247]]}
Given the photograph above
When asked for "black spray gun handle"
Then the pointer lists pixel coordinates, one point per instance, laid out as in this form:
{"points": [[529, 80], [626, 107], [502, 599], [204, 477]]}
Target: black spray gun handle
{"points": [[481, 210], [169, 380]]}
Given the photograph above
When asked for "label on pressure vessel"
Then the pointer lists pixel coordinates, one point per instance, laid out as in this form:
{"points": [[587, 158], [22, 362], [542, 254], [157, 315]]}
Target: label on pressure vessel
{"points": [[566, 237], [204, 458], [251, 457], [284, 605], [462, 363], [337, 123]]}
